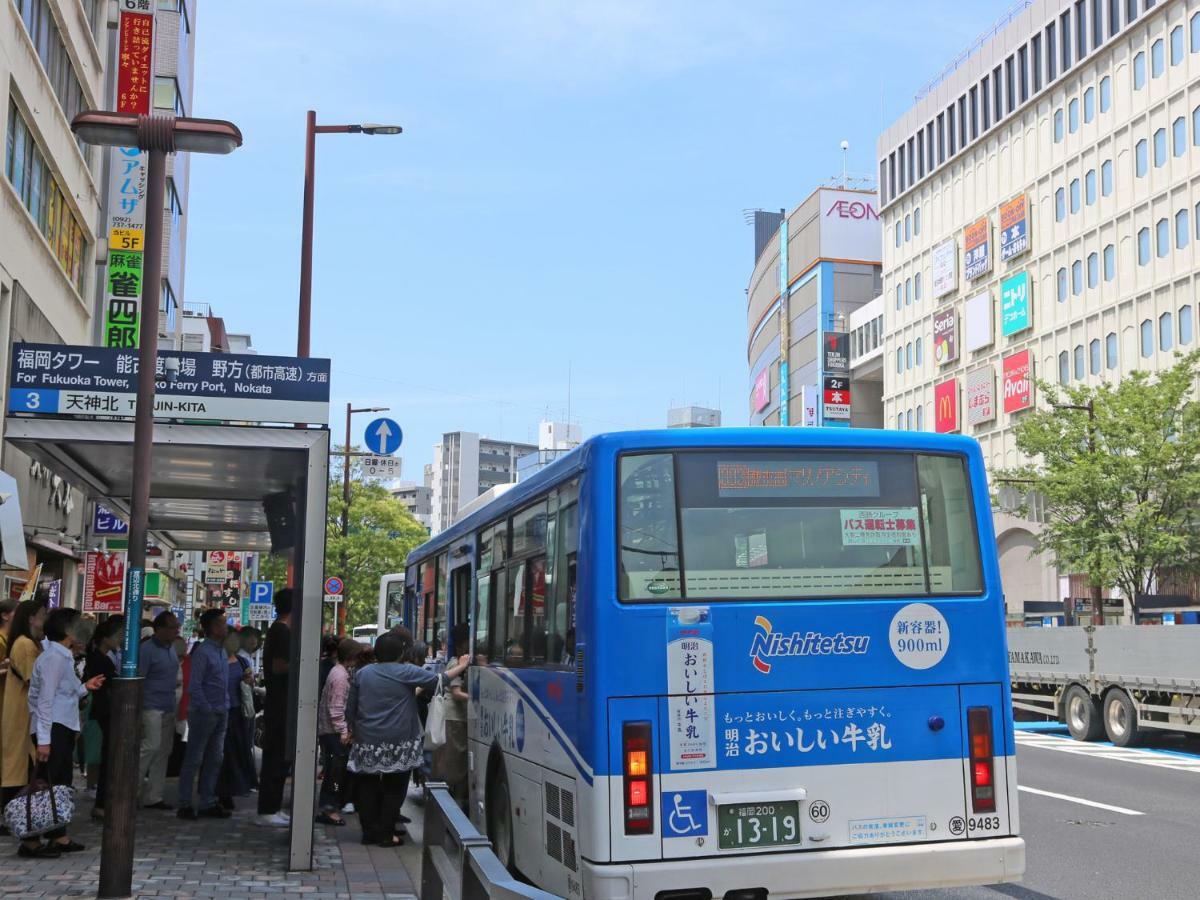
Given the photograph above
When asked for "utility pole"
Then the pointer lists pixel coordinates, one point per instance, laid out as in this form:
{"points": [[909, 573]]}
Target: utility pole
{"points": [[1097, 589]]}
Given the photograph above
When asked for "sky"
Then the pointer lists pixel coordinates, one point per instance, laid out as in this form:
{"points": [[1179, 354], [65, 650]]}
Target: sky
{"points": [[559, 230]]}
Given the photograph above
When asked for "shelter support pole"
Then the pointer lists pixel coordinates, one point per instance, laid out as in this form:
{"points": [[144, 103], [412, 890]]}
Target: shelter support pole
{"points": [[117, 844]]}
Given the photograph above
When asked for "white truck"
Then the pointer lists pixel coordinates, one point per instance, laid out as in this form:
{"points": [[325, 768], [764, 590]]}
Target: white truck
{"points": [[1114, 680]]}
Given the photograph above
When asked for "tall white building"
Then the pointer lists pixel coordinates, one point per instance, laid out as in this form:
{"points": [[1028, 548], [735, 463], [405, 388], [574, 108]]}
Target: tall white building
{"points": [[466, 465], [1041, 211]]}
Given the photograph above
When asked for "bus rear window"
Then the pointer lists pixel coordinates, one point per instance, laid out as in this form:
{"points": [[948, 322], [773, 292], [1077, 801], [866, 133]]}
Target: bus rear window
{"points": [[795, 525]]}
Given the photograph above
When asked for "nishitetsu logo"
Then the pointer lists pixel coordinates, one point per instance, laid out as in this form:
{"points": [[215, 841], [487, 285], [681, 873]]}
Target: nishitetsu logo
{"points": [[770, 643]]}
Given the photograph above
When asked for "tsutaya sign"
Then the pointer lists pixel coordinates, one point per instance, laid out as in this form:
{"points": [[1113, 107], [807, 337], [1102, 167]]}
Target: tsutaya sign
{"points": [[63, 380]]}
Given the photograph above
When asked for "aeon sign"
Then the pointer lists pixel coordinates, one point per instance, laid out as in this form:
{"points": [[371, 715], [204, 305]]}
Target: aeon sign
{"points": [[852, 209]]}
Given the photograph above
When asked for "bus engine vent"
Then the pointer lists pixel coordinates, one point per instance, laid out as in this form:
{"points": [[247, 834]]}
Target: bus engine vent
{"points": [[552, 801], [554, 842], [568, 808], [568, 852], [579, 670]]}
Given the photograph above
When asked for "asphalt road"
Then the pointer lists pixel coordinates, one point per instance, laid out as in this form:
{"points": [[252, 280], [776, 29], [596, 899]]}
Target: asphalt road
{"points": [[1076, 851]]}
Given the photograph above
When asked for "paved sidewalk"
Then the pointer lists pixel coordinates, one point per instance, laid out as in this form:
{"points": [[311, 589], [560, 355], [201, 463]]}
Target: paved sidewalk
{"points": [[225, 858]]}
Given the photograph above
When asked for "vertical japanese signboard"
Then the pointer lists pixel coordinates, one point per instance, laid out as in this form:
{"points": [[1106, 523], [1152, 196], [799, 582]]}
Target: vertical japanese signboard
{"points": [[945, 337], [945, 406], [127, 182], [1015, 313], [945, 268], [1018, 381], [690, 685], [980, 389], [977, 249], [1014, 228]]}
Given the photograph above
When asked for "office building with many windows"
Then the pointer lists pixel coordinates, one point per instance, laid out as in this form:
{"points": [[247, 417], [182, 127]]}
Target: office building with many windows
{"points": [[1045, 190]]}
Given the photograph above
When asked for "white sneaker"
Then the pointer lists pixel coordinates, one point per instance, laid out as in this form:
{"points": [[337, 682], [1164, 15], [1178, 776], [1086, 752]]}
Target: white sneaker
{"points": [[274, 820], [348, 809]]}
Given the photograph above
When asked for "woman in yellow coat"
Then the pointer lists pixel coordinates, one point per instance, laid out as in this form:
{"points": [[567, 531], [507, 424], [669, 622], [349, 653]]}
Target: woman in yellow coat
{"points": [[8, 608], [24, 647]]}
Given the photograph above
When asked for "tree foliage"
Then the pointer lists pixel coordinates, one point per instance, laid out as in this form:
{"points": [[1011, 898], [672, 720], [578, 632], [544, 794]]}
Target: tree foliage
{"points": [[381, 535], [1122, 490]]}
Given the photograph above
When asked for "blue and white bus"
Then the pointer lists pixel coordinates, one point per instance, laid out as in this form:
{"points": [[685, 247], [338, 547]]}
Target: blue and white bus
{"points": [[737, 663]]}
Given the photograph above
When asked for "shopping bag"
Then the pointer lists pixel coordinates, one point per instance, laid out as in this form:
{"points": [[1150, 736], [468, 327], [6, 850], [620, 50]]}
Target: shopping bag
{"points": [[38, 808], [435, 721]]}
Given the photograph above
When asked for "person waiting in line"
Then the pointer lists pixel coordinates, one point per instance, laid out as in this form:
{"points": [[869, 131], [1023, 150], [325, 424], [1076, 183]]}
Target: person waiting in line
{"points": [[450, 759], [25, 646], [238, 775], [329, 650], [8, 609], [385, 733], [277, 655], [208, 716], [158, 666], [335, 736], [99, 661], [55, 692]]}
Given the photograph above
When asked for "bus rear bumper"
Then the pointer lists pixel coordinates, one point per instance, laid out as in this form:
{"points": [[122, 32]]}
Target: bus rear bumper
{"points": [[816, 873]]}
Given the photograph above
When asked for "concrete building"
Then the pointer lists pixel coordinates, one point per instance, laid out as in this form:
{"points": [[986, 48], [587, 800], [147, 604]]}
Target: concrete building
{"points": [[555, 439], [52, 65], [466, 465], [1040, 210], [418, 500], [693, 417], [799, 304]]}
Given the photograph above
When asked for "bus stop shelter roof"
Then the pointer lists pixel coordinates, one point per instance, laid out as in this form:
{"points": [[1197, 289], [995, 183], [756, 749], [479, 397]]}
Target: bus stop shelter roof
{"points": [[208, 482]]}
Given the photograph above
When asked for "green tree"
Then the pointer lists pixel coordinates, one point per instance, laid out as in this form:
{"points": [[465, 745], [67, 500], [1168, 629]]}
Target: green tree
{"points": [[274, 569], [1119, 469], [381, 535]]}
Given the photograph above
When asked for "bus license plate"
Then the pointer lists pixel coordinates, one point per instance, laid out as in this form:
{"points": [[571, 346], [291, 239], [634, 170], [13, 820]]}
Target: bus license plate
{"points": [[758, 824]]}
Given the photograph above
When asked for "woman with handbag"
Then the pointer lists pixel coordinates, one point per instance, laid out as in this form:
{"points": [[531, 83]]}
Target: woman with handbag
{"points": [[384, 733], [55, 692], [24, 647], [237, 767], [99, 661]]}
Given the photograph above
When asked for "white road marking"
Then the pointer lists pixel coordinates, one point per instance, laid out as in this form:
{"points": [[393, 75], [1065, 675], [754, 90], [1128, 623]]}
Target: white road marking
{"points": [[1117, 809], [1043, 741]]}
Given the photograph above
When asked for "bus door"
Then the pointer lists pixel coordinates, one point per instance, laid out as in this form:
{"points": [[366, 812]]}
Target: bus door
{"points": [[460, 600]]}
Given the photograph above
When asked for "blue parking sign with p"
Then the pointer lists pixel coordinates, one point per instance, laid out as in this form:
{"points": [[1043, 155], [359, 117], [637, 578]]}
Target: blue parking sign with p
{"points": [[260, 606]]}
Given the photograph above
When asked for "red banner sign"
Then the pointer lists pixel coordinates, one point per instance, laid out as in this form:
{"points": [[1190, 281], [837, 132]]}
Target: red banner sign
{"points": [[104, 582], [945, 406], [134, 75], [1018, 381]]}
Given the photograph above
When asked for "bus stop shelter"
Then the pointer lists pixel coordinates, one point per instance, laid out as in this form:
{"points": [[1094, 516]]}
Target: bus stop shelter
{"points": [[215, 487]]}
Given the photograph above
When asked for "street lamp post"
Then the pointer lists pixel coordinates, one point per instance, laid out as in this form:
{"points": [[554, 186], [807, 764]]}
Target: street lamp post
{"points": [[340, 625], [303, 331], [158, 135], [1097, 590]]}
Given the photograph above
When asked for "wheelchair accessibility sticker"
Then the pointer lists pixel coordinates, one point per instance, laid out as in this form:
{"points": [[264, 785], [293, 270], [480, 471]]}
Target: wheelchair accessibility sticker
{"points": [[684, 813]]}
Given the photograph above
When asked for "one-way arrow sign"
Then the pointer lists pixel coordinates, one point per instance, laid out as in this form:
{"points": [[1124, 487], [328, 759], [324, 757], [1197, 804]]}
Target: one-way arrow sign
{"points": [[383, 437]]}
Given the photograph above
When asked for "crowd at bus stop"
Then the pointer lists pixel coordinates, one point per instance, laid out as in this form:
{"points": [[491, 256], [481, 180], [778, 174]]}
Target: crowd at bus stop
{"points": [[208, 701]]}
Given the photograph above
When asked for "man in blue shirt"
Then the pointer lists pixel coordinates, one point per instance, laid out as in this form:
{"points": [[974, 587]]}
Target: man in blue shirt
{"points": [[158, 665], [208, 714]]}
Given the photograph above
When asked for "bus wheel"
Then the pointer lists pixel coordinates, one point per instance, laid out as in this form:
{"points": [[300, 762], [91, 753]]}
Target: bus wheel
{"points": [[499, 818], [1082, 714], [1120, 719]]}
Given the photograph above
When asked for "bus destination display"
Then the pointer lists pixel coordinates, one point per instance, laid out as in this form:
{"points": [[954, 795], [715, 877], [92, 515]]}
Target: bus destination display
{"points": [[818, 478]]}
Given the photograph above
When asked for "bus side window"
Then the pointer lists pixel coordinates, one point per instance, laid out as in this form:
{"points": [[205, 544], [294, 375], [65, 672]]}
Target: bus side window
{"points": [[482, 622], [499, 616], [514, 645], [561, 607]]}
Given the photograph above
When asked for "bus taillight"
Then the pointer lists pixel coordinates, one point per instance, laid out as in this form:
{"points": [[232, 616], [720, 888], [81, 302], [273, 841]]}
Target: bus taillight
{"points": [[639, 782], [983, 785]]}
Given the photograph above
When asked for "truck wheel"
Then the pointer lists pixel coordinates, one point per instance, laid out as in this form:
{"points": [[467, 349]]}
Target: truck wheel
{"points": [[1082, 713], [1121, 719]]}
